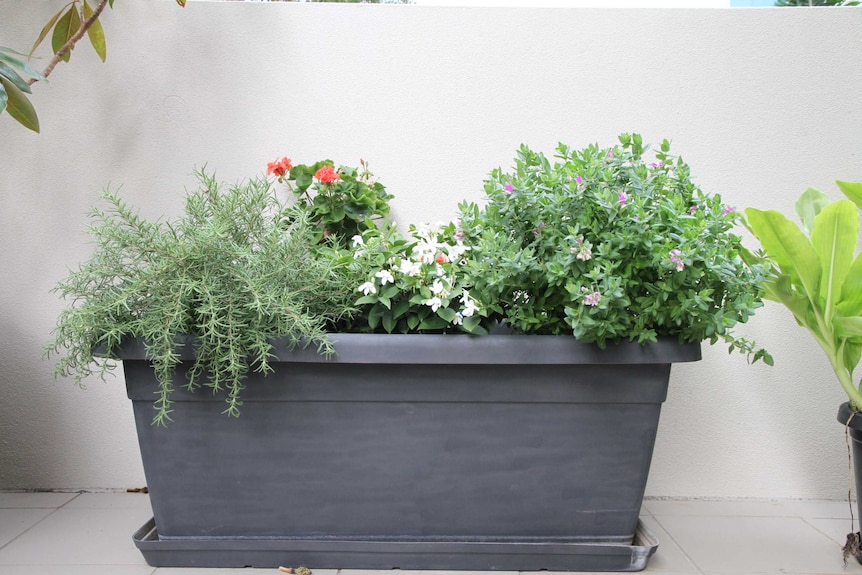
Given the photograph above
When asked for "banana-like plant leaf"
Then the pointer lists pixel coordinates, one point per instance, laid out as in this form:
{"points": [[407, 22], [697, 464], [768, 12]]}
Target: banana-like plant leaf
{"points": [[779, 289], [848, 327], [834, 237], [19, 107], [7, 72], [95, 33], [66, 27], [44, 33], [789, 248], [809, 204], [850, 302], [853, 191], [3, 98], [852, 355]]}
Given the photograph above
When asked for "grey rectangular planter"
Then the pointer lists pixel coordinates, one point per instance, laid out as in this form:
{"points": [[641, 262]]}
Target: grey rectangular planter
{"points": [[410, 447]]}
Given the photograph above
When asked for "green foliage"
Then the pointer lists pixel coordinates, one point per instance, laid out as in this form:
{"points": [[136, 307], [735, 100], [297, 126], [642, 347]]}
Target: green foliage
{"points": [[816, 275], [415, 284], [343, 202], [606, 246], [238, 269], [13, 86]]}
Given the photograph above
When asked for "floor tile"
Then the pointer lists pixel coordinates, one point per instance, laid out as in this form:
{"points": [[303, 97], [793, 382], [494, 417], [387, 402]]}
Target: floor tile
{"points": [[110, 501], [823, 509], [720, 544], [14, 522], [39, 500], [836, 529], [668, 558], [79, 537]]}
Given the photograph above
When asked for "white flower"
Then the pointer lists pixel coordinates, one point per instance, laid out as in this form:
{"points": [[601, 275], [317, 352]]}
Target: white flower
{"points": [[437, 288], [410, 268], [434, 303], [385, 277], [358, 242], [470, 307], [367, 288], [459, 319]]}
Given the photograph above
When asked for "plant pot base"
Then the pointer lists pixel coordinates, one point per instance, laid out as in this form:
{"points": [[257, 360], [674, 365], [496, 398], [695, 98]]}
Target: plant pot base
{"points": [[392, 553]]}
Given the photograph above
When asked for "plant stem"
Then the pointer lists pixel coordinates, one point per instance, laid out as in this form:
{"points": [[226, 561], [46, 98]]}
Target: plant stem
{"points": [[65, 48]]}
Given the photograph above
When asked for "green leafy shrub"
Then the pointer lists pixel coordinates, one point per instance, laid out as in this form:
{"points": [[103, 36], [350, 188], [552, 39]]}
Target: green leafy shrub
{"points": [[607, 245], [238, 269]]}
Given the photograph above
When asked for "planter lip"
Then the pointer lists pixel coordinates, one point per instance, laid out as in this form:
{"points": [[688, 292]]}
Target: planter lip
{"points": [[844, 413], [462, 349]]}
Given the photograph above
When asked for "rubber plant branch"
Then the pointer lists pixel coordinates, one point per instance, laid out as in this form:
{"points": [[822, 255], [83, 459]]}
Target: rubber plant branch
{"points": [[82, 29]]}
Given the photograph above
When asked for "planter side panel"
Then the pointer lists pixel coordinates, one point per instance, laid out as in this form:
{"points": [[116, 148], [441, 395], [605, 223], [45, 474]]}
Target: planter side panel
{"points": [[420, 452]]}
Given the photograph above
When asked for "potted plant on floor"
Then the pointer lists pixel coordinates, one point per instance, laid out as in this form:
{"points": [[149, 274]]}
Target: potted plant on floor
{"points": [[413, 440], [816, 275]]}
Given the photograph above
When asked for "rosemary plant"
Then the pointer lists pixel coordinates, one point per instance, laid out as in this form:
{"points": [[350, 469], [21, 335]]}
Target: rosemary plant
{"points": [[237, 270]]}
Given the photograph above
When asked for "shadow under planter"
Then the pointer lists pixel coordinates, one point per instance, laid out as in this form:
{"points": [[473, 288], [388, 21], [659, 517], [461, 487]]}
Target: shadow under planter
{"points": [[501, 452]]}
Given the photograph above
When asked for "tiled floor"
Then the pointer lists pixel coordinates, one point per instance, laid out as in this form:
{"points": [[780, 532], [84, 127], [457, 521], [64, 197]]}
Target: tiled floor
{"points": [[90, 534]]}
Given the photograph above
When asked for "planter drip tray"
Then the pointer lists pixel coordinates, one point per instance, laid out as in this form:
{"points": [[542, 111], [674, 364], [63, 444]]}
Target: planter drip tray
{"points": [[377, 553]]}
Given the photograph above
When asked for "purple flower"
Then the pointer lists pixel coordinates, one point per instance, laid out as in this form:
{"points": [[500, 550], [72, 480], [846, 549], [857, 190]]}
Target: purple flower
{"points": [[623, 198], [676, 258], [610, 154], [692, 209], [727, 210], [509, 188], [592, 298], [538, 229], [579, 180]]}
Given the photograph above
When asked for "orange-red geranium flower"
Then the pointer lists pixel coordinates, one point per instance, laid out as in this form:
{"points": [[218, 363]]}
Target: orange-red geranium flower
{"points": [[327, 174], [279, 167]]}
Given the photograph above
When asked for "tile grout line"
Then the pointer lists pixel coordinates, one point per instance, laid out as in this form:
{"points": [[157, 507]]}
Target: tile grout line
{"points": [[53, 511], [678, 545]]}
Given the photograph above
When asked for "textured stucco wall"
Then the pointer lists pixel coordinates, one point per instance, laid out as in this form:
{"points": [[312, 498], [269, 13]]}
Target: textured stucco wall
{"points": [[762, 103]]}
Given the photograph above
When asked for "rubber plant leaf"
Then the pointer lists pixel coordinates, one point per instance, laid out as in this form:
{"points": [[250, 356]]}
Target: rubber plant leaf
{"points": [[66, 27], [850, 302], [19, 107], [95, 33], [834, 237], [7, 72], [7, 57], [853, 191], [789, 248], [809, 204], [44, 33], [3, 98]]}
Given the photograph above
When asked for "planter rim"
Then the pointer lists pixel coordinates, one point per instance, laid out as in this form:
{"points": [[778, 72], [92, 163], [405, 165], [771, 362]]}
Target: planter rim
{"points": [[462, 349], [844, 413]]}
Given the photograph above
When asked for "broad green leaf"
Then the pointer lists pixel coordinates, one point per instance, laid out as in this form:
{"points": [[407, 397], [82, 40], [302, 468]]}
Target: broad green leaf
{"points": [[779, 289], [45, 30], [850, 326], [66, 27], [809, 204], [850, 302], [19, 107], [853, 191], [3, 98], [11, 75], [852, 355], [448, 314], [18, 64], [388, 323], [96, 33], [834, 237], [784, 242]]}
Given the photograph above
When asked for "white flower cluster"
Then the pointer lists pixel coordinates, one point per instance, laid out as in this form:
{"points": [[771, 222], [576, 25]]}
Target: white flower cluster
{"points": [[426, 266]]}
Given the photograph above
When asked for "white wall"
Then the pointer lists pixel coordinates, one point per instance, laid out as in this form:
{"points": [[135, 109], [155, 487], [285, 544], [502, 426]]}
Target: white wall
{"points": [[761, 103]]}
